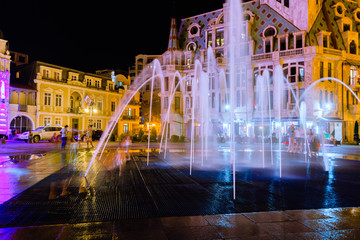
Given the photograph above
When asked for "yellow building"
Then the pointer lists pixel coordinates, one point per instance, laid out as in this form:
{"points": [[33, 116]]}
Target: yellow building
{"points": [[70, 97]]}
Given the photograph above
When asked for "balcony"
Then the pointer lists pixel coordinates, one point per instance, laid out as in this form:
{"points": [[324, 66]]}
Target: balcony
{"points": [[130, 118], [75, 110], [292, 52], [259, 57], [22, 108]]}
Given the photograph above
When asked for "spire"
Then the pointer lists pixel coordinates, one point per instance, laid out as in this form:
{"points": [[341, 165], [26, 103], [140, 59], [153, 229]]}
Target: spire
{"points": [[173, 38]]}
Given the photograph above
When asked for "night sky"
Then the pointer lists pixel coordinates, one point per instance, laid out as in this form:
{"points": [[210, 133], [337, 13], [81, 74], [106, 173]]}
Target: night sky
{"points": [[92, 35]]}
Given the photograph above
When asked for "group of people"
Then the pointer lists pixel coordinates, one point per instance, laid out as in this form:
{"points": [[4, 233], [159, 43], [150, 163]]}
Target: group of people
{"points": [[297, 141], [87, 138]]}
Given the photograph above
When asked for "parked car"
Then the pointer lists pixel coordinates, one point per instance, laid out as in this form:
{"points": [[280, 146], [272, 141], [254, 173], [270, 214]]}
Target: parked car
{"points": [[41, 134], [95, 137]]}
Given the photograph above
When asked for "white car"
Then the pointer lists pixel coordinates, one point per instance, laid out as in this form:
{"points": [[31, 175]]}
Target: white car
{"points": [[41, 134]]}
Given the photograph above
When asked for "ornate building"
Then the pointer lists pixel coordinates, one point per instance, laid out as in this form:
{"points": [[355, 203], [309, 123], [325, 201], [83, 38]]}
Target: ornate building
{"points": [[63, 96], [308, 39]]}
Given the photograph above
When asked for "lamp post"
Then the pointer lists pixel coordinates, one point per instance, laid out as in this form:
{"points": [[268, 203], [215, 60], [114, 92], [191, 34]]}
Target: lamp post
{"points": [[91, 109]]}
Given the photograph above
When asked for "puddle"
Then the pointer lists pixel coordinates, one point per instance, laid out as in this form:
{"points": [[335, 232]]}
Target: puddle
{"points": [[19, 158]]}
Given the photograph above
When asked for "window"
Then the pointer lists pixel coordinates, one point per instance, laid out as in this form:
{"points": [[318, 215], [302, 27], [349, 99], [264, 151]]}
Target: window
{"points": [[97, 84], [166, 102], [282, 44], [74, 78], [287, 3], [126, 127], [47, 121], [88, 81], [352, 47], [329, 70], [321, 69], [267, 46], [98, 124], [177, 103], [111, 86], [269, 32], [57, 76], [325, 41], [58, 121], [99, 105], [299, 41], [209, 39], [46, 73], [113, 106], [58, 100], [220, 38], [353, 73], [301, 74], [166, 83], [346, 27], [194, 30], [47, 99]]}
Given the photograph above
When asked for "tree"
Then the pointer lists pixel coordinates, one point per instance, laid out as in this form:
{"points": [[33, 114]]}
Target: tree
{"points": [[356, 132]]}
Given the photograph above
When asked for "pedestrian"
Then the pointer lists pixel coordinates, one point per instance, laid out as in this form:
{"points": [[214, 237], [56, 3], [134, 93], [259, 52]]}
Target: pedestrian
{"points": [[291, 135], [314, 143], [89, 134], [31, 137], [64, 132]]}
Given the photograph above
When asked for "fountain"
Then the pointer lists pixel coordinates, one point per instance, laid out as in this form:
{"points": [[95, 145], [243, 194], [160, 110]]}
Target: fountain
{"points": [[209, 87]]}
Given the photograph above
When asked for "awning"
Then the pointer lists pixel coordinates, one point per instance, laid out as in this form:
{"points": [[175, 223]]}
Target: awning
{"points": [[259, 120], [352, 62], [330, 119]]}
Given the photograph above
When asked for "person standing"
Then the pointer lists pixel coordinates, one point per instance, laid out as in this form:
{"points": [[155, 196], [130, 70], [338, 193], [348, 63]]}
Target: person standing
{"points": [[291, 134], [31, 137], [89, 134], [64, 132]]}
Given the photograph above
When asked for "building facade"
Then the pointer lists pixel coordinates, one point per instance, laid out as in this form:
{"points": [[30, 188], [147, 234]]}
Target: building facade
{"points": [[4, 86], [65, 96], [310, 40]]}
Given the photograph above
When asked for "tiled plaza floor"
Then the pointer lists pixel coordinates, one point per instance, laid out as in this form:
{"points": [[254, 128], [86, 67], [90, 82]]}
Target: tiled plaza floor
{"points": [[162, 201], [337, 223]]}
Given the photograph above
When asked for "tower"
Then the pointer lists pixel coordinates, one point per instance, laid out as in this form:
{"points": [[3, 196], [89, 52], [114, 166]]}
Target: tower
{"points": [[173, 38]]}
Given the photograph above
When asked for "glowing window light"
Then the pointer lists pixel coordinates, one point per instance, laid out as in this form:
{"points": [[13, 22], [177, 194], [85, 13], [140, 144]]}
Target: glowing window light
{"points": [[2, 120], [3, 114], [2, 130]]}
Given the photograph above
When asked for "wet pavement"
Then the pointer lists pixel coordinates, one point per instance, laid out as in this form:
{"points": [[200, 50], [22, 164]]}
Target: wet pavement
{"points": [[162, 200]]}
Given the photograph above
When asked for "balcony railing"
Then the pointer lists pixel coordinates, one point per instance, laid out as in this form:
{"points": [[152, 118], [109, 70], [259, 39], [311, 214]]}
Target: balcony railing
{"points": [[75, 110], [291, 52], [23, 108], [261, 57], [130, 118]]}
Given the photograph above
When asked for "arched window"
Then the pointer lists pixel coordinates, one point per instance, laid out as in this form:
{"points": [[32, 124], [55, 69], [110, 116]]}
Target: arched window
{"points": [[353, 47], [191, 47], [270, 32]]}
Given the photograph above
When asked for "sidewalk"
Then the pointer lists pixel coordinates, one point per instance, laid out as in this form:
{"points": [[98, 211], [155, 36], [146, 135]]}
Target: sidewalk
{"points": [[338, 223]]}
